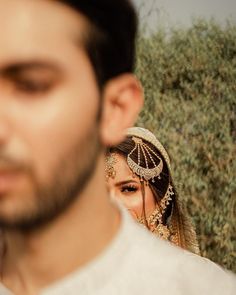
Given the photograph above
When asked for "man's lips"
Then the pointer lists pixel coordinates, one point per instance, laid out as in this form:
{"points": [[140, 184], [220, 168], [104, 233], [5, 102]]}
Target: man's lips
{"points": [[8, 179]]}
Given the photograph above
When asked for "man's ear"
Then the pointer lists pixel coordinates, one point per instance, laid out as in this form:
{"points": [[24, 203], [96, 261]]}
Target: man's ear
{"points": [[122, 102]]}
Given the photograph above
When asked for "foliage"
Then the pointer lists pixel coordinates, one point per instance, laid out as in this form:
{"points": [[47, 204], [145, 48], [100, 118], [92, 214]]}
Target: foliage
{"points": [[189, 77]]}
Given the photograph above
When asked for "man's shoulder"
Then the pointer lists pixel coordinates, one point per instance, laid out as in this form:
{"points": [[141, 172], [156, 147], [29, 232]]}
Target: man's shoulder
{"points": [[3, 290], [160, 263]]}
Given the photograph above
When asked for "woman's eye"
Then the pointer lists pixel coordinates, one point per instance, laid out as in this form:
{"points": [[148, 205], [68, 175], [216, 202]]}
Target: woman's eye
{"points": [[129, 189]]}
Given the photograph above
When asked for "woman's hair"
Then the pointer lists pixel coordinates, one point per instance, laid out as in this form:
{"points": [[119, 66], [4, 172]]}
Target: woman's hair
{"points": [[159, 185]]}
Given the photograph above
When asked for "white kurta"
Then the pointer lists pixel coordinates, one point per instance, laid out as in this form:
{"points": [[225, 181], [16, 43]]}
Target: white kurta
{"points": [[138, 263]]}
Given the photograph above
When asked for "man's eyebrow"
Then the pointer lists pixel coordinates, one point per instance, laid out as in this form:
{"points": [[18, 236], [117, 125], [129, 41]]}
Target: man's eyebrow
{"points": [[125, 182], [13, 69]]}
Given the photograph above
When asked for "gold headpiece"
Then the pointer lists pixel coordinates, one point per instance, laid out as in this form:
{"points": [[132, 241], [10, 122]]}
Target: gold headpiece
{"points": [[147, 172], [151, 138]]}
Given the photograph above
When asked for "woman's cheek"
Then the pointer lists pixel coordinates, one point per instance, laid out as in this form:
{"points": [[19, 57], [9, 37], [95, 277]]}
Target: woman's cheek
{"points": [[133, 203]]}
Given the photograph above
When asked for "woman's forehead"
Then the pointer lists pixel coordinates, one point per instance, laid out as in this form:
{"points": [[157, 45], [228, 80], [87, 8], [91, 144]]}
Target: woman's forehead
{"points": [[122, 170]]}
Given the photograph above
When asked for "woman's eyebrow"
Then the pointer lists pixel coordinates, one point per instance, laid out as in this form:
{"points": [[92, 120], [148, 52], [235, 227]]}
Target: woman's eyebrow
{"points": [[125, 182]]}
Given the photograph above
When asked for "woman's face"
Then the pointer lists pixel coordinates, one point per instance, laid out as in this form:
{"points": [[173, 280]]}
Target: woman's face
{"points": [[127, 188]]}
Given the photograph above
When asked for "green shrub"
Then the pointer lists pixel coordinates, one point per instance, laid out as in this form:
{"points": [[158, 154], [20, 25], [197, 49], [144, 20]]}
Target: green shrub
{"points": [[189, 77]]}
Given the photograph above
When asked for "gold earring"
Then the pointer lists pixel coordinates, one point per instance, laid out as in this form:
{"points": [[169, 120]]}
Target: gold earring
{"points": [[110, 161]]}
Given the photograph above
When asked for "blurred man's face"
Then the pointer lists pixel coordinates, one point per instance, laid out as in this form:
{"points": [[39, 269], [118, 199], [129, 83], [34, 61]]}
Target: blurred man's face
{"points": [[48, 109]]}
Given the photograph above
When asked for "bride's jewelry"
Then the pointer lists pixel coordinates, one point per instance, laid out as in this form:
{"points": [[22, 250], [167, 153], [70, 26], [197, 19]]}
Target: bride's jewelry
{"points": [[110, 171], [155, 220]]}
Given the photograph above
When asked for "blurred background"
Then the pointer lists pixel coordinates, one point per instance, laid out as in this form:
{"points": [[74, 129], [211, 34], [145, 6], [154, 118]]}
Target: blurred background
{"points": [[186, 60], [181, 12]]}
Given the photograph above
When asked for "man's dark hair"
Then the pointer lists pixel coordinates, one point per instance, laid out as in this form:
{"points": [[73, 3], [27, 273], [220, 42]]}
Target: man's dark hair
{"points": [[110, 43]]}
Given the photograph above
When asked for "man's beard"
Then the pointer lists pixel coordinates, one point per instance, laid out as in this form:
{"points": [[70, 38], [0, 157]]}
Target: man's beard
{"points": [[71, 176]]}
